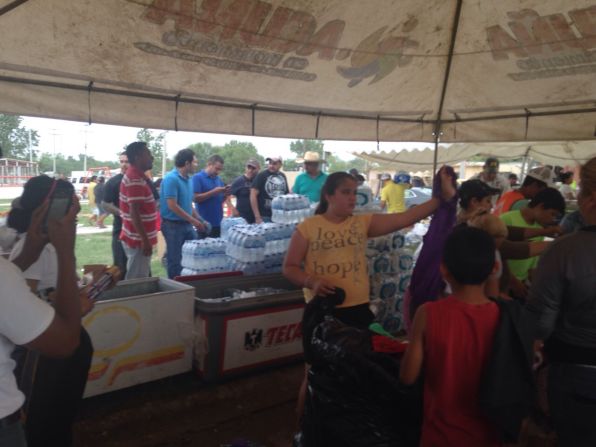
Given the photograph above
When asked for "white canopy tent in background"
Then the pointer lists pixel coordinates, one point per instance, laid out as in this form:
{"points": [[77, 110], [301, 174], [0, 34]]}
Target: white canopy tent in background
{"points": [[413, 70], [550, 153]]}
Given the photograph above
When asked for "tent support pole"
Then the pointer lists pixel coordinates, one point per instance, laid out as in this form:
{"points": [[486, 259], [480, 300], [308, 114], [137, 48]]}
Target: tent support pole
{"points": [[435, 156], [524, 163], [11, 6], [437, 130]]}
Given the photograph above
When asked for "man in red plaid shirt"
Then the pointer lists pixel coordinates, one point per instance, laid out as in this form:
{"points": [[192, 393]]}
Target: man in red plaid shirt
{"points": [[138, 211]]}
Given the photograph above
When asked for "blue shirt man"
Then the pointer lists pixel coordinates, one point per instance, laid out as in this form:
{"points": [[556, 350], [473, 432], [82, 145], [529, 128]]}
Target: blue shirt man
{"points": [[178, 218], [210, 193], [175, 186]]}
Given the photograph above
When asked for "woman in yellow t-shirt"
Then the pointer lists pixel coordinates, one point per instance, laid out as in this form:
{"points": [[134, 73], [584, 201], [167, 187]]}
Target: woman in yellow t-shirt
{"points": [[328, 249]]}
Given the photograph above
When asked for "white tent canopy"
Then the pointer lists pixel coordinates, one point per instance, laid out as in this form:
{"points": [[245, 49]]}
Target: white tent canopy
{"points": [[551, 153], [413, 70]]}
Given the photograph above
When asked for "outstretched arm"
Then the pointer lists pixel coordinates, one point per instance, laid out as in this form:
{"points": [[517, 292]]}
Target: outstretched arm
{"points": [[387, 223]]}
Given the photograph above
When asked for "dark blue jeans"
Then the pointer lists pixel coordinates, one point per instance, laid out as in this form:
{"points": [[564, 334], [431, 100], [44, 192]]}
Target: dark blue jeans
{"points": [[176, 233], [572, 402]]}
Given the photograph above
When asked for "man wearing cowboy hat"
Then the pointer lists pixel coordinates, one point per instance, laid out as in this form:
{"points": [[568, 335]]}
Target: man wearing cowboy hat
{"points": [[310, 182]]}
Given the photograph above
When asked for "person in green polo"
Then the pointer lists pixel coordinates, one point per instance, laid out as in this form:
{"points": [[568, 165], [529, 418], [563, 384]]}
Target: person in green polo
{"points": [[310, 182]]}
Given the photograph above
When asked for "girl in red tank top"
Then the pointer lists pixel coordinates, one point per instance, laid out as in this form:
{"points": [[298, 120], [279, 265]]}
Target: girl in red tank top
{"points": [[452, 338]]}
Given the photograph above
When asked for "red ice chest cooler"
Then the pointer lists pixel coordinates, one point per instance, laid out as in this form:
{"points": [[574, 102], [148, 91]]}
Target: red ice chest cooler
{"points": [[237, 336]]}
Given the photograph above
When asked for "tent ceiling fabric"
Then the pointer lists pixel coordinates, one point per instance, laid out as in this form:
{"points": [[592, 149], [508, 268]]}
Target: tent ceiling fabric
{"points": [[552, 153], [329, 69]]}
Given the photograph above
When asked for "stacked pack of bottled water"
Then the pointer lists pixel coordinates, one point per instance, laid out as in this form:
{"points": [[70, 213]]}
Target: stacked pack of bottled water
{"points": [[277, 241], [228, 223], [204, 256], [256, 249], [365, 203], [390, 265], [290, 208], [246, 243]]}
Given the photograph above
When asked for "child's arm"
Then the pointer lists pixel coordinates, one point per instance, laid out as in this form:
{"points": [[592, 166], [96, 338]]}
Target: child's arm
{"points": [[293, 270], [414, 356], [381, 224]]}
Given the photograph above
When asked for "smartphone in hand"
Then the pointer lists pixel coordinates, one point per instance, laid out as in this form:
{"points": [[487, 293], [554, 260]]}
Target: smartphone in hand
{"points": [[60, 202]]}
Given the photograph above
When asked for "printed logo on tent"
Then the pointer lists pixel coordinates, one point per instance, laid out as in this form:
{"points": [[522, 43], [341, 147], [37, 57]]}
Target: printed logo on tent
{"points": [[257, 37], [546, 46], [253, 339]]}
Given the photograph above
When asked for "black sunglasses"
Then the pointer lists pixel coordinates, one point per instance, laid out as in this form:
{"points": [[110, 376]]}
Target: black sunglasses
{"points": [[251, 167]]}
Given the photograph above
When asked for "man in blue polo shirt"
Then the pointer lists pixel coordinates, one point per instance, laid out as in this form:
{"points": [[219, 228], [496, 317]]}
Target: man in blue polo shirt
{"points": [[311, 181], [178, 218], [210, 193]]}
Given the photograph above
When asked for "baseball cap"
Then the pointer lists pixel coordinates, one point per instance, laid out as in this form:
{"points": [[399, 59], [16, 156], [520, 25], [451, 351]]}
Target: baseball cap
{"points": [[476, 189], [491, 164], [543, 174], [274, 159], [385, 177], [253, 162]]}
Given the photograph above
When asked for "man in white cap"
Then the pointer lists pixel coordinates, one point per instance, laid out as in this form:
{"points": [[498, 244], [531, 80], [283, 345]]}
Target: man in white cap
{"points": [[536, 180], [311, 181], [267, 184], [490, 175], [393, 195]]}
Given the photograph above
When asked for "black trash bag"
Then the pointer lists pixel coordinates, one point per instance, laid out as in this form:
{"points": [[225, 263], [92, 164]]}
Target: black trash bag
{"points": [[314, 313], [354, 397]]}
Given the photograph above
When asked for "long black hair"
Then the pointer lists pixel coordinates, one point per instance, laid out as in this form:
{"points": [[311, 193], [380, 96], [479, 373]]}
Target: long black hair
{"points": [[35, 192], [331, 184]]}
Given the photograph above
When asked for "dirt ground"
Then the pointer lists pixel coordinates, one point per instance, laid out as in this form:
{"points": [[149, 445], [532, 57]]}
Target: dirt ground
{"points": [[253, 411], [183, 411]]}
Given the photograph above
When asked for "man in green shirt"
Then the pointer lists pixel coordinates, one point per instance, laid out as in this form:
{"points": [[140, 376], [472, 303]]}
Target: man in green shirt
{"points": [[545, 209], [311, 181]]}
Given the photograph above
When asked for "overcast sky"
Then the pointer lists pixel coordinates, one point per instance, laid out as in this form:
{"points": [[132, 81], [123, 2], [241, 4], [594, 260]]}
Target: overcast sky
{"points": [[105, 141]]}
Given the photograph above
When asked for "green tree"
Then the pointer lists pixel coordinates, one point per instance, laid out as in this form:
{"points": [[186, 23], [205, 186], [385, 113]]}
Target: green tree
{"points": [[334, 163], [65, 165], [298, 148], [202, 152], [14, 138], [155, 143], [235, 154]]}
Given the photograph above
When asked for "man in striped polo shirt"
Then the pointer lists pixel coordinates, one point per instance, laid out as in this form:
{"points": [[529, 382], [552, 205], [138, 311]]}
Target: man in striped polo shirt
{"points": [[138, 211]]}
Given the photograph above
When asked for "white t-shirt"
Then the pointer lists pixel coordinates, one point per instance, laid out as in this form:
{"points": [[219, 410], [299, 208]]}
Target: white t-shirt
{"points": [[567, 192], [44, 270], [23, 317]]}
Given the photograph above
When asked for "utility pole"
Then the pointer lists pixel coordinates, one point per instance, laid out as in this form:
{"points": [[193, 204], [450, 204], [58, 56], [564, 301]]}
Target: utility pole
{"points": [[30, 148], [85, 155], [164, 155], [54, 161]]}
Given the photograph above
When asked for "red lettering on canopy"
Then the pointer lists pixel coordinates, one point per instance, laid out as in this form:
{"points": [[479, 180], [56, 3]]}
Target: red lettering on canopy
{"points": [[533, 31], [296, 32], [250, 29], [501, 43], [181, 11], [232, 17], [585, 21], [325, 41]]}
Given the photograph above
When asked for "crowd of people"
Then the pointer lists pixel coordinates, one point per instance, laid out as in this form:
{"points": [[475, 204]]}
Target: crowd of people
{"points": [[484, 273]]}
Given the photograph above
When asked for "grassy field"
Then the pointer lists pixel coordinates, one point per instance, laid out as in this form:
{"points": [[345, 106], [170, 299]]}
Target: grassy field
{"points": [[97, 249]]}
